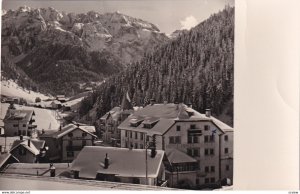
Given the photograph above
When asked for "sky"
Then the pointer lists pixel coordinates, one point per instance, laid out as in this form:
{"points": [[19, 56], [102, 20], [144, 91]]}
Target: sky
{"points": [[167, 15]]}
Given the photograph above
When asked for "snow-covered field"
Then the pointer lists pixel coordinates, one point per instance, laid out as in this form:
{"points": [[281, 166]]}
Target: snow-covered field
{"points": [[44, 118], [12, 89]]}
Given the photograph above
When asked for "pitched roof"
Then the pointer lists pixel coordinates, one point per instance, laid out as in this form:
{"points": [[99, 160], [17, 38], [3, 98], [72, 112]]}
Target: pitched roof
{"points": [[32, 168], [167, 115], [27, 182], [5, 157], [177, 156], [18, 115], [67, 129], [122, 162], [34, 145]]}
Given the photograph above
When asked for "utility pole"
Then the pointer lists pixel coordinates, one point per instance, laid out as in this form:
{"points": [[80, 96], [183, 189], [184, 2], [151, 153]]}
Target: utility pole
{"points": [[146, 146]]}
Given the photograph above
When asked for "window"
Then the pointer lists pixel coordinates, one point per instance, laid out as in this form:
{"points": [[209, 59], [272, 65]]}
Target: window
{"points": [[15, 125], [175, 140], [135, 135], [142, 136], [226, 137], [212, 151], [136, 146], [226, 150], [206, 169], [212, 169], [227, 168], [178, 128], [130, 134], [126, 144], [206, 180], [126, 133], [212, 138], [206, 152], [189, 152], [193, 126], [171, 140], [24, 125], [206, 127], [178, 139], [24, 132], [195, 139], [70, 154], [70, 143], [84, 134], [70, 134], [190, 139], [196, 152], [197, 181], [206, 138], [147, 138], [212, 180], [141, 146], [83, 143]]}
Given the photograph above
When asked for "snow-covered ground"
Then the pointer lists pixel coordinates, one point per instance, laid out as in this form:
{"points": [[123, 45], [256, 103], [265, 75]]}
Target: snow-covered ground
{"points": [[44, 118], [12, 89]]}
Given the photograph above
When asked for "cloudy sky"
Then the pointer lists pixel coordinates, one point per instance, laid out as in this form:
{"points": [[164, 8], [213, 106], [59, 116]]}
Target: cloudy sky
{"points": [[168, 15]]}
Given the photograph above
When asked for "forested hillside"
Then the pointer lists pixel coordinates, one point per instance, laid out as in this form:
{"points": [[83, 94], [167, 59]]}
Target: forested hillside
{"points": [[195, 67]]}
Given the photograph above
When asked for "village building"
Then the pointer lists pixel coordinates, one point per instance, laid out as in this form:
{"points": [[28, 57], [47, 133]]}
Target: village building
{"points": [[19, 122], [61, 98], [179, 127], [55, 104], [112, 119], [120, 165], [28, 150], [67, 142]]}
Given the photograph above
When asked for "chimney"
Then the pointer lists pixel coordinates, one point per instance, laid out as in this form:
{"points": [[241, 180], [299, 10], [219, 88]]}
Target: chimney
{"points": [[52, 170], [207, 112], [28, 142], [77, 124], [59, 127], [106, 162], [43, 131], [152, 102], [189, 104], [21, 137]]}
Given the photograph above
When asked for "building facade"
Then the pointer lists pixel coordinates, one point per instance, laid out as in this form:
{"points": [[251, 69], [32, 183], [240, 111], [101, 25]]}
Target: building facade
{"points": [[67, 142], [19, 122], [177, 126]]}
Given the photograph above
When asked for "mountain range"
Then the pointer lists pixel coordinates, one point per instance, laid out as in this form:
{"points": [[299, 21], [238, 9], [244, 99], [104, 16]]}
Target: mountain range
{"points": [[56, 52]]}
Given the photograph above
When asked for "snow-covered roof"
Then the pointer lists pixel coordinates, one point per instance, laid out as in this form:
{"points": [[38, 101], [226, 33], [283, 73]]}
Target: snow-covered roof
{"points": [[5, 157], [34, 145], [73, 102], [167, 115], [123, 162], [69, 128], [33, 168], [177, 156], [18, 115], [27, 182]]}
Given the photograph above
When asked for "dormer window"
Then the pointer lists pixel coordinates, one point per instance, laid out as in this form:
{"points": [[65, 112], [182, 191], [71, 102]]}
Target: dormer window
{"points": [[150, 122], [135, 122]]}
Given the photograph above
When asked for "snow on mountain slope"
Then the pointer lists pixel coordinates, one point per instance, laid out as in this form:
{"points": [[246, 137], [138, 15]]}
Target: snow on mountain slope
{"points": [[12, 89]]}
